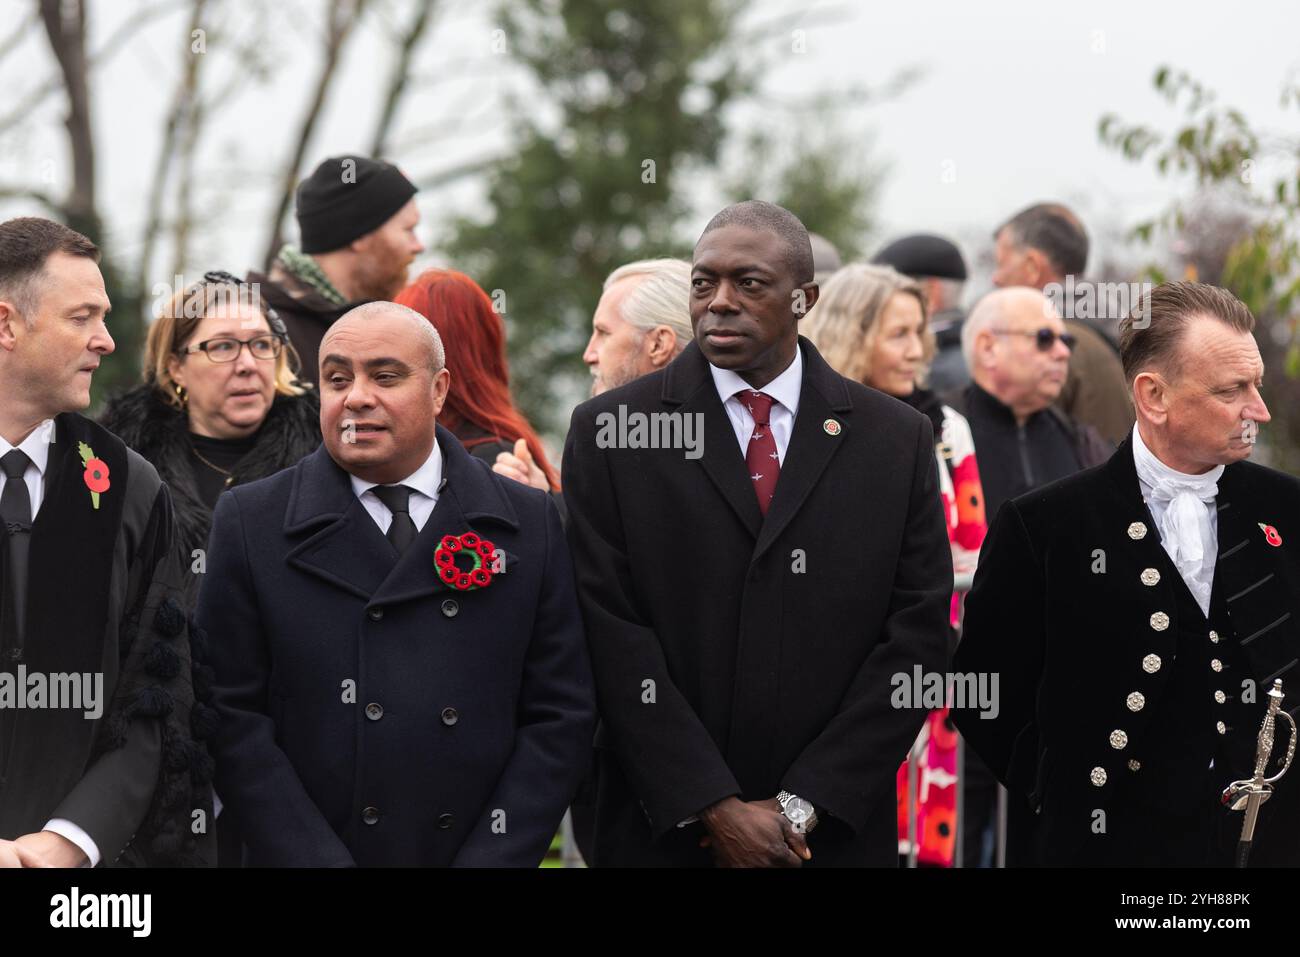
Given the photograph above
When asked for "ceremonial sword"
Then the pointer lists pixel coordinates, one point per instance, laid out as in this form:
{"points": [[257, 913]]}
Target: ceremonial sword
{"points": [[1251, 793]]}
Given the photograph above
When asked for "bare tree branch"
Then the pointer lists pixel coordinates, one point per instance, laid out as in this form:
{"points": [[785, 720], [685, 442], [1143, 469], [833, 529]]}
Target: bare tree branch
{"points": [[343, 16], [401, 75], [444, 177], [31, 192], [178, 115], [143, 17], [65, 25], [10, 44]]}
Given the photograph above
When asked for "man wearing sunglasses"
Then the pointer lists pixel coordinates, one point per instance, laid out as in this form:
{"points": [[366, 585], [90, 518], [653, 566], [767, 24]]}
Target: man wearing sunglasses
{"points": [[1018, 352]]}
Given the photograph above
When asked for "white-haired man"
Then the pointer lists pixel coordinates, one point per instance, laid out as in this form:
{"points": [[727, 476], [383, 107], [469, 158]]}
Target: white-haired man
{"points": [[642, 323], [1138, 613]]}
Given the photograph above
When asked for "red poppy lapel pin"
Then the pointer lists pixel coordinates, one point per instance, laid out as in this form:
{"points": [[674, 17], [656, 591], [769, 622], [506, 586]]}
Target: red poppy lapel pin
{"points": [[96, 474], [1270, 534], [465, 562]]}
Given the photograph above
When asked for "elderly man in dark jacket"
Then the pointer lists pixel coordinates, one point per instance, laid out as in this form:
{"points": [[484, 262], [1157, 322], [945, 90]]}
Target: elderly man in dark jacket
{"points": [[754, 590], [401, 669]]}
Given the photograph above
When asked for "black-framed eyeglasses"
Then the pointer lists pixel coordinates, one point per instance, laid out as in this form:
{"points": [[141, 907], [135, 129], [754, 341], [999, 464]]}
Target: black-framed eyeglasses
{"points": [[1045, 338], [227, 348]]}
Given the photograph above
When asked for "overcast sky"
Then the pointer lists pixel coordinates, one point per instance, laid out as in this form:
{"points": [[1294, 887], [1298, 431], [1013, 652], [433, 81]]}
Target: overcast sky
{"points": [[1005, 113]]}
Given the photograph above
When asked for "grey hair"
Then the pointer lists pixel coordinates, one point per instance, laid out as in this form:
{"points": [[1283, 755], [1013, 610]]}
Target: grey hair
{"points": [[432, 341], [661, 298]]}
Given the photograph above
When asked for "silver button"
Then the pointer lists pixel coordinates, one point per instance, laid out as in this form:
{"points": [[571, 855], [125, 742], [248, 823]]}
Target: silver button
{"points": [[1220, 697], [1160, 621], [1221, 727], [1098, 776], [1137, 531], [1151, 664], [1118, 739], [1136, 701], [1135, 765], [1216, 664], [1214, 637], [1150, 576]]}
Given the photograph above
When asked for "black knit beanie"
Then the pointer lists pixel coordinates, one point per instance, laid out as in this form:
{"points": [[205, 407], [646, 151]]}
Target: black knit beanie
{"points": [[346, 197]]}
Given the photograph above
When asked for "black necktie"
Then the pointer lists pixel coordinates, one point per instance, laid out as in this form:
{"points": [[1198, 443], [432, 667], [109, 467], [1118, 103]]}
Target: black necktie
{"points": [[396, 499], [16, 512]]}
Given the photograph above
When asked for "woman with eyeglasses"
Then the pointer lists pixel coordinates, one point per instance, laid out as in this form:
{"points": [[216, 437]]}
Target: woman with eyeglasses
{"points": [[220, 404], [870, 324]]}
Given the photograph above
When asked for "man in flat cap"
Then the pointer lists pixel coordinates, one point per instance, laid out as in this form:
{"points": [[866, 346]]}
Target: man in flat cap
{"points": [[937, 264], [357, 217]]}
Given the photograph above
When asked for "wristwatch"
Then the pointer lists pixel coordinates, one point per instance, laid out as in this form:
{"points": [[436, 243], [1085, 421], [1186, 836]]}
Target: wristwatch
{"points": [[800, 813]]}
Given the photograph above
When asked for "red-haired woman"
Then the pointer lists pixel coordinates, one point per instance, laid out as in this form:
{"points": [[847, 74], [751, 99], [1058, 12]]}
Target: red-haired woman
{"points": [[479, 409]]}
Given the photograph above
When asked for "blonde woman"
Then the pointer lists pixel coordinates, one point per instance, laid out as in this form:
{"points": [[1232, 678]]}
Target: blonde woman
{"points": [[220, 403], [870, 324]]}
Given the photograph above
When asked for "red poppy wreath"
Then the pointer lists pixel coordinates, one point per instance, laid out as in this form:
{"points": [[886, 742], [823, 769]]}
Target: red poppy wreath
{"points": [[465, 561]]}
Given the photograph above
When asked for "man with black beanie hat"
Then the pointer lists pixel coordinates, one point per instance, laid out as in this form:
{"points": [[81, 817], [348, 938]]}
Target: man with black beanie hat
{"points": [[357, 218]]}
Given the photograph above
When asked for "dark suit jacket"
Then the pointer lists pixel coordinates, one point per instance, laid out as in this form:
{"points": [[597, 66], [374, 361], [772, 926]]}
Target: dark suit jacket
{"points": [[739, 655], [472, 712], [1069, 643]]}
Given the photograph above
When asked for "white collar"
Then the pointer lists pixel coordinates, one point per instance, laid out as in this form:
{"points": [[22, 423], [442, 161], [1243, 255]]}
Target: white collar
{"points": [[424, 480], [784, 388], [1156, 474], [36, 446]]}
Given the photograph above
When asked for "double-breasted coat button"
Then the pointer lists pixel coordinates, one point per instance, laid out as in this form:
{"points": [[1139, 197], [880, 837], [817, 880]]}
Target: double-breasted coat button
{"points": [[1136, 701], [1118, 739], [450, 716], [1216, 664], [1137, 531], [1220, 727], [1151, 576], [1220, 697], [1151, 664], [1135, 765], [374, 711], [1160, 621], [370, 815], [1098, 776], [451, 608], [375, 614], [444, 821], [1214, 637]]}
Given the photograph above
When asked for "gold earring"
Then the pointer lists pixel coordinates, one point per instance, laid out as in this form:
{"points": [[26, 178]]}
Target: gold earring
{"points": [[180, 394]]}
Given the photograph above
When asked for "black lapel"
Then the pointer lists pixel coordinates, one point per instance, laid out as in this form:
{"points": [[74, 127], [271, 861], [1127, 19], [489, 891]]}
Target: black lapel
{"points": [[72, 551], [346, 547], [470, 500], [823, 398], [689, 384], [1256, 599]]}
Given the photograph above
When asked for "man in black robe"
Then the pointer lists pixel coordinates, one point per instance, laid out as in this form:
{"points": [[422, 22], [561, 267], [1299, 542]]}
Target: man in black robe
{"points": [[98, 757]]}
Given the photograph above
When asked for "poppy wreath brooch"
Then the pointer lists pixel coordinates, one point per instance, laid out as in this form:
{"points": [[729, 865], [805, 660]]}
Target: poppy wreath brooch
{"points": [[465, 561]]}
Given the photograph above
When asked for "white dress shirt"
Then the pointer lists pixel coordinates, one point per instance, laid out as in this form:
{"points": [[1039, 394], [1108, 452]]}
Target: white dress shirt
{"points": [[37, 448], [1183, 507], [784, 389], [423, 483]]}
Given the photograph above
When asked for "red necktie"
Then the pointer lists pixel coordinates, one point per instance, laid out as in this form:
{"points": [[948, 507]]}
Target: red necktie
{"points": [[761, 456]]}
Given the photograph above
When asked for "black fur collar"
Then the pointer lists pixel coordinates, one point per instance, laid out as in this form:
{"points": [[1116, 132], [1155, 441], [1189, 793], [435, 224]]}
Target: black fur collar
{"points": [[159, 432]]}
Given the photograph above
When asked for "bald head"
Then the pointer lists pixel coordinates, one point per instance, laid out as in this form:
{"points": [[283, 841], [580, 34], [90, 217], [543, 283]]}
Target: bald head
{"points": [[420, 329], [1001, 341]]}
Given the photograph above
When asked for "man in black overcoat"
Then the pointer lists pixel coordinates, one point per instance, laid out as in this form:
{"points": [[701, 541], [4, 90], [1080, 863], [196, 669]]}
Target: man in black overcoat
{"points": [[391, 693], [751, 591], [1137, 613]]}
